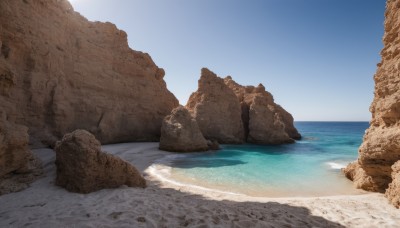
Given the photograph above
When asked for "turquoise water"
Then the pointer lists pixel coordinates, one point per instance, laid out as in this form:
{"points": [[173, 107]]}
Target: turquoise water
{"points": [[310, 167]]}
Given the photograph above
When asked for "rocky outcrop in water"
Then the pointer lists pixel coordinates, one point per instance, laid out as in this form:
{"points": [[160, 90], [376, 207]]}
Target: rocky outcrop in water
{"points": [[231, 113], [181, 133], [59, 72], [381, 146], [18, 166], [82, 167], [265, 122], [216, 110]]}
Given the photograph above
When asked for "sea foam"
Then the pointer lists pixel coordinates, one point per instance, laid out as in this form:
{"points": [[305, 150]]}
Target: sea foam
{"points": [[334, 165]]}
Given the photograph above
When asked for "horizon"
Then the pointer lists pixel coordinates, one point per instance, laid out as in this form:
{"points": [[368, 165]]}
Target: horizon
{"points": [[316, 58]]}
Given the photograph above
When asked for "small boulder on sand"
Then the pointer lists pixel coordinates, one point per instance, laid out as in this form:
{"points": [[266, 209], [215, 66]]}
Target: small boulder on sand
{"points": [[82, 167]]}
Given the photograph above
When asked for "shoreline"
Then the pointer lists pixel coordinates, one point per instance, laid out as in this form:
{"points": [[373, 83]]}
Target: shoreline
{"points": [[162, 205], [161, 171], [153, 175]]}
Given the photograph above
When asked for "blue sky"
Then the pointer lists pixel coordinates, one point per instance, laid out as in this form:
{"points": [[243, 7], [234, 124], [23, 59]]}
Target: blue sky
{"points": [[317, 57]]}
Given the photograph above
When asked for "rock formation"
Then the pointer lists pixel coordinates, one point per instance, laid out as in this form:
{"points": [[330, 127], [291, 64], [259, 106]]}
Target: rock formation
{"points": [[230, 113], [216, 110], [213, 145], [180, 133], [82, 167], [393, 192], [265, 122], [18, 167], [60, 72], [381, 146], [14, 151]]}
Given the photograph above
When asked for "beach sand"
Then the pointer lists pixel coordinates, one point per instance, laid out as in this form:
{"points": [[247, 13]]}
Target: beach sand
{"points": [[167, 204]]}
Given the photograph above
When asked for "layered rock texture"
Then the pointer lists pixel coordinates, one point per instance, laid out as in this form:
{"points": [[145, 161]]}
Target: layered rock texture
{"points": [[181, 133], [217, 110], [18, 167], [393, 192], [14, 150], [82, 167], [265, 122], [230, 113], [381, 146], [60, 72]]}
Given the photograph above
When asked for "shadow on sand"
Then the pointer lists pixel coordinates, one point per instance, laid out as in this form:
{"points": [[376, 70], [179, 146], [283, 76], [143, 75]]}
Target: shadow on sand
{"points": [[203, 212]]}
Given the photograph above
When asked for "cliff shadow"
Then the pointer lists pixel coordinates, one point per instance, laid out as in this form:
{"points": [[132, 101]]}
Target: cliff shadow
{"points": [[226, 213]]}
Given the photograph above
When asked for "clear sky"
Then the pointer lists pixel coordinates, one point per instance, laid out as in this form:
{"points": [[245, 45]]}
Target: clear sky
{"points": [[317, 57]]}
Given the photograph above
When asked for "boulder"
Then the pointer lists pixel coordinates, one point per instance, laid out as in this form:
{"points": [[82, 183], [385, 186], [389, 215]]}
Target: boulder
{"points": [[83, 168], [217, 110], [180, 133]]}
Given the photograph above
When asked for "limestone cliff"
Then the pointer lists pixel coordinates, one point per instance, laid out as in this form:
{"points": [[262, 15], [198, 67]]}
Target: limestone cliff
{"points": [[69, 73], [216, 109], [381, 146], [265, 122]]}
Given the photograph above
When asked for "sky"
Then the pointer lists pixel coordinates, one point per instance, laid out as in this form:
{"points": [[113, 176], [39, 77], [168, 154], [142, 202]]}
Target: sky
{"points": [[317, 57]]}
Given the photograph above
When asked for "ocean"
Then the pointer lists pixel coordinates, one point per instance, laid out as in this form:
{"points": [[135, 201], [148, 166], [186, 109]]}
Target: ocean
{"points": [[309, 167]]}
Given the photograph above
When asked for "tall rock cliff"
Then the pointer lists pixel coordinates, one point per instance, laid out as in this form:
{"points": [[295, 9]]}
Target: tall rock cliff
{"points": [[381, 146], [265, 122], [60, 72], [216, 109]]}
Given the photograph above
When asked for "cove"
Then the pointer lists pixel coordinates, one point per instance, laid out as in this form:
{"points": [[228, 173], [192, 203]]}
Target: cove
{"points": [[310, 167]]}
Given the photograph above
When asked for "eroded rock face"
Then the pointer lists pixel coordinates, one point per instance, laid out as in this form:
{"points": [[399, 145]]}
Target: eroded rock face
{"points": [[82, 167], [265, 122], [181, 133], [216, 109], [18, 166], [69, 73], [14, 150], [393, 192], [381, 146]]}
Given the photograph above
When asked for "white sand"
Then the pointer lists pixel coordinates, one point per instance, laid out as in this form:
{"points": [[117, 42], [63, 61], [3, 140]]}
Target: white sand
{"points": [[168, 204]]}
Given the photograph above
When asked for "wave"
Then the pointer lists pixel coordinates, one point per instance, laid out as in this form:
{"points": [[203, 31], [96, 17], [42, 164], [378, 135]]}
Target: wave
{"points": [[162, 172], [335, 165]]}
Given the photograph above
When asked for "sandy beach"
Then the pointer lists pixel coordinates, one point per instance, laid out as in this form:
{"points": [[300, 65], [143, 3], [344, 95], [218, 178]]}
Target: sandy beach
{"points": [[165, 204]]}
